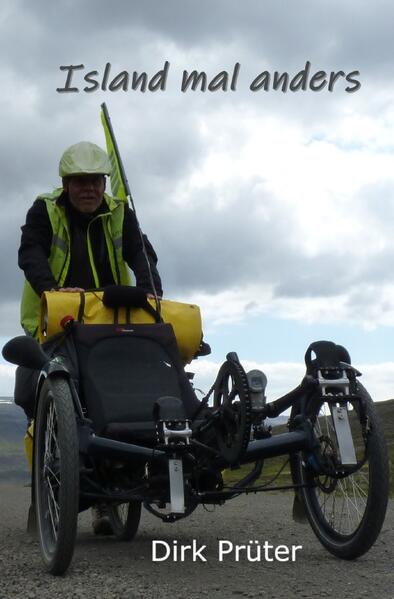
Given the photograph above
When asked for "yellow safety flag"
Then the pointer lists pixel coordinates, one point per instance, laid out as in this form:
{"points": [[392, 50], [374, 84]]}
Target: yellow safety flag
{"points": [[117, 177]]}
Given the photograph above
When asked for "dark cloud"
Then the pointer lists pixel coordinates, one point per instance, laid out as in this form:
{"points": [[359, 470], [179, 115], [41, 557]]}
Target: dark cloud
{"points": [[208, 248], [12, 278], [275, 35], [163, 136]]}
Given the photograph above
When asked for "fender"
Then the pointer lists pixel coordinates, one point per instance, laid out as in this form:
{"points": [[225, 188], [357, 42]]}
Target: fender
{"points": [[54, 368]]}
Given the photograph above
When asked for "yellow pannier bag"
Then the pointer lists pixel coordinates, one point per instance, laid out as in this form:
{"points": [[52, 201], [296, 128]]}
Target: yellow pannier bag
{"points": [[88, 307]]}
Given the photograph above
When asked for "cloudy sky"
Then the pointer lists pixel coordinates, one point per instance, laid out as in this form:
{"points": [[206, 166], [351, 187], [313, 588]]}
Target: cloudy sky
{"points": [[272, 210]]}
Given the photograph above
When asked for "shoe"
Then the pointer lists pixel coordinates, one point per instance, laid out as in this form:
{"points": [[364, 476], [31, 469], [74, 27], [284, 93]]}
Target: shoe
{"points": [[100, 520]]}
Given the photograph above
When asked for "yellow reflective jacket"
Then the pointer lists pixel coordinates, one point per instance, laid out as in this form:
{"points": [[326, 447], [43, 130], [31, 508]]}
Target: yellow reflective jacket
{"points": [[59, 258]]}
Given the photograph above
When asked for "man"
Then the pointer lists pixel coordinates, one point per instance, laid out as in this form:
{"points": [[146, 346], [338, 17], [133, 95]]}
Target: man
{"points": [[78, 238]]}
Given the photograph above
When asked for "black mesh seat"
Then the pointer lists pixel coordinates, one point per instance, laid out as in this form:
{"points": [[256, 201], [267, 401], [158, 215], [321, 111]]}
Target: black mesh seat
{"points": [[123, 370]]}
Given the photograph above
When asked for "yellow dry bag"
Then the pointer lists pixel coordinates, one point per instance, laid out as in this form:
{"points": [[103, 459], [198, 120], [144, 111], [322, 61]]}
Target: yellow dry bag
{"points": [[88, 307]]}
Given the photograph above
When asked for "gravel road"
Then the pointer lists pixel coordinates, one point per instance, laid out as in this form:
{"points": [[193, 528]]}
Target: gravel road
{"points": [[105, 568]]}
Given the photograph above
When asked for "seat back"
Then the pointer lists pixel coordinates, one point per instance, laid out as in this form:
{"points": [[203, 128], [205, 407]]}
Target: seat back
{"points": [[125, 369]]}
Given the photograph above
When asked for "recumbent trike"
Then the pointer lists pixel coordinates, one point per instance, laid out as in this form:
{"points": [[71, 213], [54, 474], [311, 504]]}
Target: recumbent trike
{"points": [[117, 421]]}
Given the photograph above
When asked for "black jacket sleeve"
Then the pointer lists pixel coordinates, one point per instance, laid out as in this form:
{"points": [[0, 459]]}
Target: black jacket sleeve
{"points": [[36, 244], [134, 256], [35, 249]]}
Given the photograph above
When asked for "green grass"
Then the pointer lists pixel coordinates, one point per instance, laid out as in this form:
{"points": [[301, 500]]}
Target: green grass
{"points": [[270, 470], [273, 465]]}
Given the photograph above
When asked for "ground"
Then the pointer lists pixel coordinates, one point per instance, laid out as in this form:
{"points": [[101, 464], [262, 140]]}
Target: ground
{"points": [[105, 568]]}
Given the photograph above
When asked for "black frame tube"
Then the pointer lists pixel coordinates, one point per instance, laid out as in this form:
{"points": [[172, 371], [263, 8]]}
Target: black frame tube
{"points": [[282, 444], [280, 405], [96, 446], [278, 445]]}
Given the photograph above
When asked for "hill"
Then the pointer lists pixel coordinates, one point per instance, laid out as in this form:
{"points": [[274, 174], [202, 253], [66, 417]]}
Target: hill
{"points": [[13, 464], [385, 410]]}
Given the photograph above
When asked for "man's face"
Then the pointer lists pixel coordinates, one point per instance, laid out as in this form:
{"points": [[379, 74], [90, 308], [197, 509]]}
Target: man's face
{"points": [[85, 191]]}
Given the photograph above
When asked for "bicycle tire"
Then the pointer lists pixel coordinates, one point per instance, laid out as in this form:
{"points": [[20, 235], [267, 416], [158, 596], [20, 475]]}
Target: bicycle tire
{"points": [[347, 514], [56, 474], [125, 519]]}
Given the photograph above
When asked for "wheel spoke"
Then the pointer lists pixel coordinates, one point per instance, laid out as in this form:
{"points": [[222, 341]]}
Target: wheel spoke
{"points": [[53, 475], [56, 464], [51, 479], [345, 505], [342, 505], [351, 501], [53, 509]]}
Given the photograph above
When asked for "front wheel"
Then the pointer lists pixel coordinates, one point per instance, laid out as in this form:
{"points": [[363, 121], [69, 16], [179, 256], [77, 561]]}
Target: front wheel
{"points": [[125, 519], [347, 512], [56, 474]]}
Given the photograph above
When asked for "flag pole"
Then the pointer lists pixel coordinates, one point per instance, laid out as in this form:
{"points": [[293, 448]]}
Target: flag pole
{"points": [[118, 170]]}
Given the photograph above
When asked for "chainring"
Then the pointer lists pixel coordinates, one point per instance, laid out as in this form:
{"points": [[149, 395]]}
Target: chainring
{"points": [[232, 400]]}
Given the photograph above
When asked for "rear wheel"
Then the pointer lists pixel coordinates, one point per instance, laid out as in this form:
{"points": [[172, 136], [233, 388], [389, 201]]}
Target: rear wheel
{"points": [[56, 474], [125, 519], [346, 509]]}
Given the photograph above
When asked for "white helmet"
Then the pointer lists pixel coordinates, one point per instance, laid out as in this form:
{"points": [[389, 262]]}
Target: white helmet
{"points": [[84, 158]]}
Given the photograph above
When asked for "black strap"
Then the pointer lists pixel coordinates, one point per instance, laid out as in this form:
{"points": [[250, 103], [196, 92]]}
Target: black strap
{"points": [[147, 307], [153, 312], [81, 306]]}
